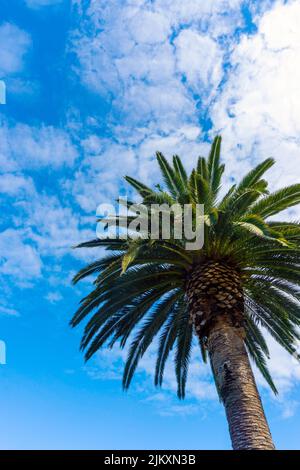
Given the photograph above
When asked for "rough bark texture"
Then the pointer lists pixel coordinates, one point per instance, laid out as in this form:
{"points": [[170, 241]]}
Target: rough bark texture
{"points": [[214, 288], [236, 385], [215, 297]]}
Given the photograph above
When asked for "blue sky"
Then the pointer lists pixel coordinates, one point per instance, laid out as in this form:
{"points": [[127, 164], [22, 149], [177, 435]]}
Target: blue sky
{"points": [[94, 88]]}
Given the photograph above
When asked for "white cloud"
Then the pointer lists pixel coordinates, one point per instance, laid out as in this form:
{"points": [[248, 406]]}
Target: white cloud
{"points": [[15, 44], [16, 184], [129, 51], [24, 146], [19, 258], [184, 141], [258, 111], [43, 228], [155, 64], [165, 106], [101, 172], [149, 27], [41, 3], [196, 11], [285, 371], [199, 59], [179, 410], [53, 297], [56, 227], [108, 365], [136, 55], [23, 87], [7, 311], [100, 176], [143, 75], [284, 368]]}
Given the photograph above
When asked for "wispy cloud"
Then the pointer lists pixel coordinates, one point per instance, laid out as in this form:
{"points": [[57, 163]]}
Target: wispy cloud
{"points": [[139, 55], [16, 184], [108, 365], [19, 258], [33, 147], [160, 66], [258, 111], [36, 4], [7, 311], [54, 297], [15, 44], [285, 371]]}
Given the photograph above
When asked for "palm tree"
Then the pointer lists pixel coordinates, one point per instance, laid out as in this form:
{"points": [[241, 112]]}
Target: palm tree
{"points": [[241, 283]]}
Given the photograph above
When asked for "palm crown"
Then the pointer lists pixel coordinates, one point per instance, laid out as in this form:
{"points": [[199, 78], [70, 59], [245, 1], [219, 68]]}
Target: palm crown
{"points": [[144, 288]]}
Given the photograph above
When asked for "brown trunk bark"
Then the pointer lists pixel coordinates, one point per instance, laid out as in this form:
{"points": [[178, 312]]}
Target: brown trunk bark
{"points": [[236, 385]]}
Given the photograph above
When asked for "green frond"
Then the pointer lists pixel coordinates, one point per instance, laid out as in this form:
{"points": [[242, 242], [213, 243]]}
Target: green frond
{"points": [[167, 340], [179, 169], [200, 191], [129, 324], [203, 349], [131, 254], [172, 181], [260, 362], [115, 244], [255, 174], [117, 319], [141, 188], [213, 162], [133, 282], [227, 198], [277, 201], [202, 168], [241, 201], [257, 226], [159, 198], [272, 318], [146, 334], [99, 265], [183, 352]]}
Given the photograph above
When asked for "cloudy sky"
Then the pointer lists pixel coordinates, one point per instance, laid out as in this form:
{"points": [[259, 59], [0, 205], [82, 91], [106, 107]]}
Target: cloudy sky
{"points": [[94, 88]]}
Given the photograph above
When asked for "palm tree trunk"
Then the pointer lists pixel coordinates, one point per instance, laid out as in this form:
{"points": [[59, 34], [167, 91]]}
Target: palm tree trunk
{"points": [[248, 426]]}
